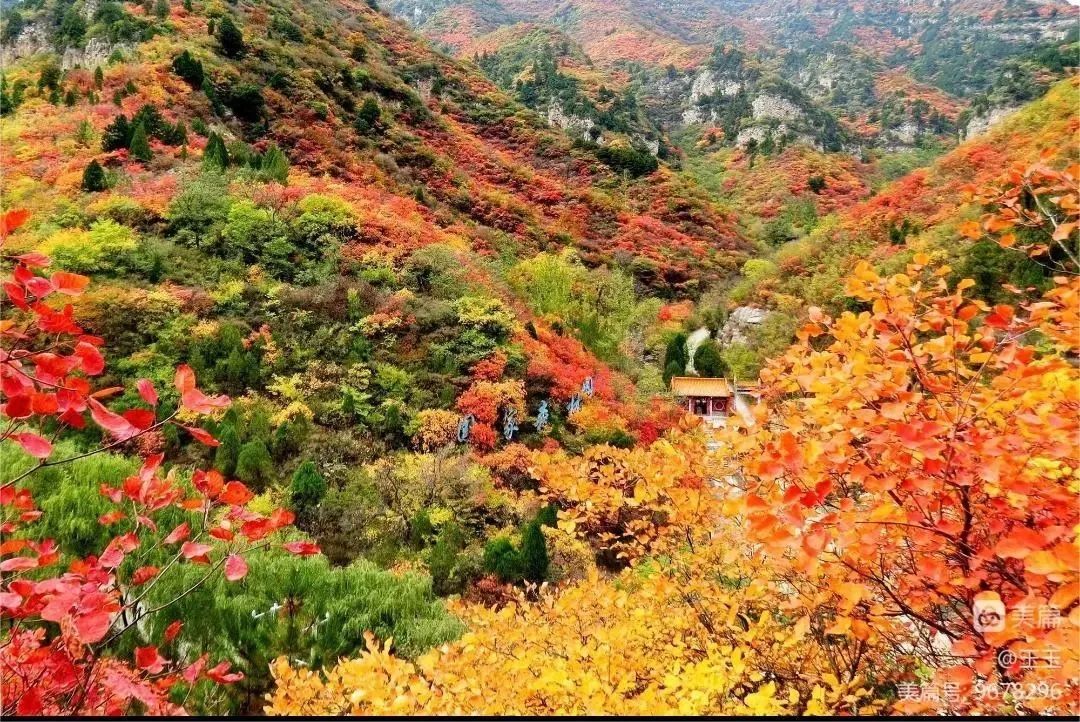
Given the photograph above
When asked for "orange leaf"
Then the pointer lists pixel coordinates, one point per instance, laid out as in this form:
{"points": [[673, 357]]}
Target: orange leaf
{"points": [[12, 219], [1019, 543], [70, 284]]}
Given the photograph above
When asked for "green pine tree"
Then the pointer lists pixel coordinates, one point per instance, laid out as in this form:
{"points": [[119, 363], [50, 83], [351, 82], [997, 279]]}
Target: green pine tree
{"points": [[189, 68], [308, 487], [215, 155], [99, 78], [254, 465], [534, 556], [9, 101], [368, 118], [548, 516], [675, 357], [443, 561], [503, 560], [708, 361], [275, 166], [93, 179], [117, 134], [140, 145], [84, 133], [228, 450], [230, 38]]}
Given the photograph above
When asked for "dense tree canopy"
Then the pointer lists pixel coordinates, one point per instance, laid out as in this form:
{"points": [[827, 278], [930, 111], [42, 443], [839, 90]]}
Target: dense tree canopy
{"points": [[334, 368]]}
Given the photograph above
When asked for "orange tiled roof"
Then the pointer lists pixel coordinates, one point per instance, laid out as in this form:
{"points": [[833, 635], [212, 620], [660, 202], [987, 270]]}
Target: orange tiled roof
{"points": [[699, 386]]}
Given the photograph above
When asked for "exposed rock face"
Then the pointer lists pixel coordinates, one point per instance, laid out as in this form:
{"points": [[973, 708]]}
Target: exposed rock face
{"points": [[902, 137], [89, 9], [96, 52], [758, 133], [772, 107], [740, 324], [707, 83], [34, 39], [776, 131], [982, 123], [573, 124]]}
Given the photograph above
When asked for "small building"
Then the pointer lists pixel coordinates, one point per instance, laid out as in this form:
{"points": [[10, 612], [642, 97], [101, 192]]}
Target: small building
{"points": [[713, 399]]}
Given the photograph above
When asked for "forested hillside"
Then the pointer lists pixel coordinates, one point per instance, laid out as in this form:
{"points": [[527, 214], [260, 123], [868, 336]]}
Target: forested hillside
{"points": [[335, 366]]}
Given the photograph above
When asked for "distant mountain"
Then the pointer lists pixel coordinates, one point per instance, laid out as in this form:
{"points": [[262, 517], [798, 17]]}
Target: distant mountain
{"points": [[888, 73]]}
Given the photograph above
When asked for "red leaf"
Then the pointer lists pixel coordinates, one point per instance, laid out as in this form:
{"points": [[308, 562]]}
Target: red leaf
{"points": [[111, 518], [194, 670], [201, 435], [200, 403], [93, 363], [221, 675], [107, 393], [18, 407], [10, 546], [281, 517], [115, 424], [1001, 317], [10, 600], [196, 552], [29, 704], [34, 259], [178, 534], [142, 419], [92, 627], [12, 219], [235, 568], [235, 493], [147, 391], [17, 294], [222, 533], [1020, 543], [172, 630], [39, 286], [42, 403], [112, 557], [302, 548], [256, 529], [148, 658], [34, 445], [71, 284], [208, 482], [143, 574], [184, 379]]}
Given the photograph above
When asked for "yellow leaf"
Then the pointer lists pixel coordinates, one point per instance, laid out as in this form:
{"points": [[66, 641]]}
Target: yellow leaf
{"points": [[841, 627]]}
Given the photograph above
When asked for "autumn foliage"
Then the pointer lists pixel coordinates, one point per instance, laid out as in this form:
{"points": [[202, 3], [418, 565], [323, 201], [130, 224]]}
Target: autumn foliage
{"points": [[628, 503], [1035, 210], [911, 461], [918, 457], [60, 622]]}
